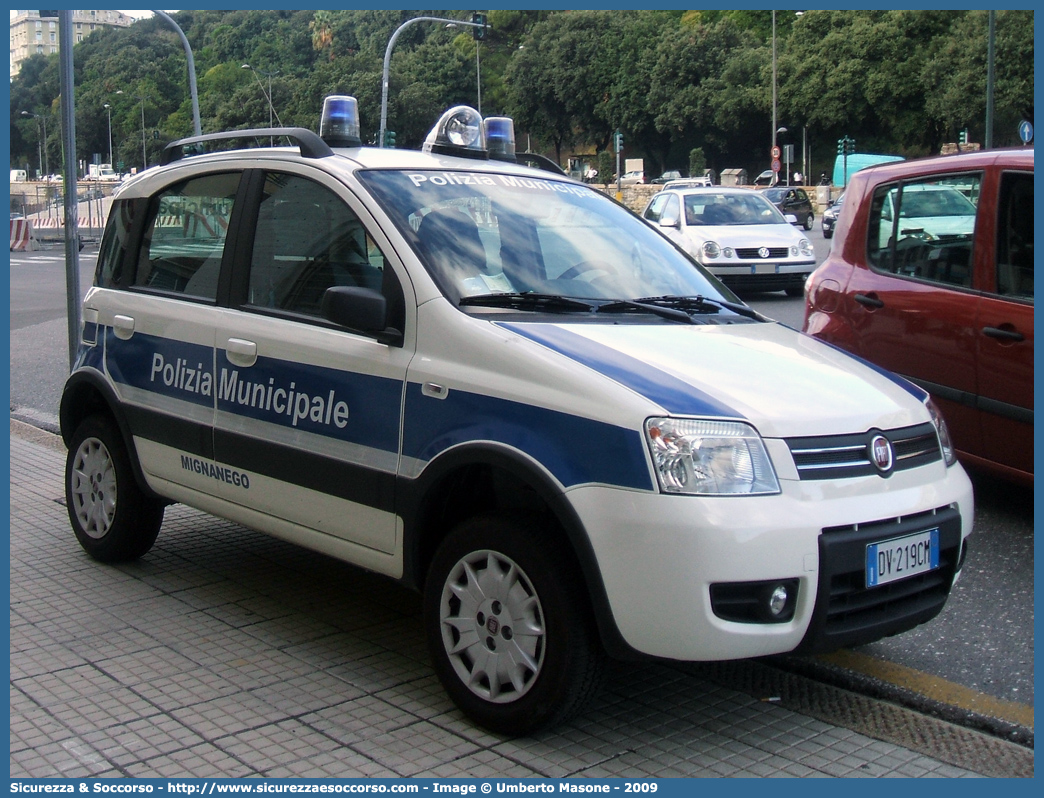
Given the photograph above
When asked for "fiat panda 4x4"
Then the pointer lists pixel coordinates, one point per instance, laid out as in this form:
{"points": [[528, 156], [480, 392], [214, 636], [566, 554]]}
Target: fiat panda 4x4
{"points": [[507, 391]]}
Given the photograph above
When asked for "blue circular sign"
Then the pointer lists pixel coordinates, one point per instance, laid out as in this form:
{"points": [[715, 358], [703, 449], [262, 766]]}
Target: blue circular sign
{"points": [[1025, 131]]}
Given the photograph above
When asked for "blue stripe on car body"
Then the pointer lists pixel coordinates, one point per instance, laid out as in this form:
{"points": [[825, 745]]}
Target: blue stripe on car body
{"points": [[576, 450], [674, 395]]}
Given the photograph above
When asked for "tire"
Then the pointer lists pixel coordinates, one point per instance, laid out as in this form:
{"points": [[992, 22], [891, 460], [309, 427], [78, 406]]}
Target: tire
{"points": [[112, 517], [794, 290], [828, 234], [493, 578], [810, 222]]}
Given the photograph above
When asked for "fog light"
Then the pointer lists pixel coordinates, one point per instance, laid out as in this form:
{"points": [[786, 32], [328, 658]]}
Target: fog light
{"points": [[778, 600]]}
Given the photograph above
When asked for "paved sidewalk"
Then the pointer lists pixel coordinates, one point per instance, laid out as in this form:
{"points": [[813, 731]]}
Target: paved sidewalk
{"points": [[224, 653]]}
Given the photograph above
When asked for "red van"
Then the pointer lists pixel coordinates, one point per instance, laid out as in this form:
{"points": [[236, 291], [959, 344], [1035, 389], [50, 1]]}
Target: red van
{"points": [[931, 277]]}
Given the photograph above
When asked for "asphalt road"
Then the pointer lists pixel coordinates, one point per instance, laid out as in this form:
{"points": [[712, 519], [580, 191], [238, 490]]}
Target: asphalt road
{"points": [[980, 647]]}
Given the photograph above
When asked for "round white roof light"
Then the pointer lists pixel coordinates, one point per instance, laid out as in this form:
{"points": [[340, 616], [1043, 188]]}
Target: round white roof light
{"points": [[458, 132]]}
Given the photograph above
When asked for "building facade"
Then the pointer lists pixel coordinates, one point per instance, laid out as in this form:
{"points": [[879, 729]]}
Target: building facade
{"points": [[31, 34]]}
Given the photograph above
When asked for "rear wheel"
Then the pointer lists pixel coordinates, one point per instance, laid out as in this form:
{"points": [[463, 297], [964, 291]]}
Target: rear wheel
{"points": [[112, 517], [810, 222], [509, 629]]}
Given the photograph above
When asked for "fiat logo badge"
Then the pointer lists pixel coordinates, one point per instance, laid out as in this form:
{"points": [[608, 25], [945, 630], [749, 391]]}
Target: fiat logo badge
{"points": [[764, 252], [881, 453]]}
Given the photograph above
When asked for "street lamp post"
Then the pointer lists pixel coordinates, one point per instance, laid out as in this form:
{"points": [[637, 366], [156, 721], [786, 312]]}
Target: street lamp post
{"points": [[108, 112], [774, 130], [45, 166], [387, 63], [144, 155], [268, 94]]}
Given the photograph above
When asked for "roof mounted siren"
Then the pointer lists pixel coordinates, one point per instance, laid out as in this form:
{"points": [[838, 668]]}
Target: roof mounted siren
{"points": [[458, 132], [500, 138], [339, 126]]}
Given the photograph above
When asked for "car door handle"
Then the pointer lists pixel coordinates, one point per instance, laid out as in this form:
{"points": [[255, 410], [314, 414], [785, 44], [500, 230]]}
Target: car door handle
{"points": [[123, 326], [869, 300], [241, 352], [1002, 334]]}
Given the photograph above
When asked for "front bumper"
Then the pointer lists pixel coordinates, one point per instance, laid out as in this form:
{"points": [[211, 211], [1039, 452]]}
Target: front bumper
{"points": [[762, 274], [659, 555]]}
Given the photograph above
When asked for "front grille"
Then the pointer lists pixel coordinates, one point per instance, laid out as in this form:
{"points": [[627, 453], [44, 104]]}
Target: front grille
{"points": [[844, 456], [848, 613], [753, 253]]}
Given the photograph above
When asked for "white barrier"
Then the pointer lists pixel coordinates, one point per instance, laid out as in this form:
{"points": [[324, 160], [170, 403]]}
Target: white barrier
{"points": [[21, 235]]}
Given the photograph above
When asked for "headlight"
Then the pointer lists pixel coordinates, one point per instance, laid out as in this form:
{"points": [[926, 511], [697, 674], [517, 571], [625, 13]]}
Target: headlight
{"points": [[711, 249], [806, 248], [715, 458], [949, 454]]}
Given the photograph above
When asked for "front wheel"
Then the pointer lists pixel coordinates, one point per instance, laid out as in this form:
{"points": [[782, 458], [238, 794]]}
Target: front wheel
{"points": [[113, 519], [510, 631]]}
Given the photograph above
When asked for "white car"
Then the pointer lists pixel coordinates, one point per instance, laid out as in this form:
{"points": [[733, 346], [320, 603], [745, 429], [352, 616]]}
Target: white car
{"points": [[501, 388], [737, 234]]}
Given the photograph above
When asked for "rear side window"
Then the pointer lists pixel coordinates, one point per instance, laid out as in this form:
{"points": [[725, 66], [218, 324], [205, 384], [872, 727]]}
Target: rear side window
{"points": [[185, 238], [1015, 236], [116, 241], [925, 229]]}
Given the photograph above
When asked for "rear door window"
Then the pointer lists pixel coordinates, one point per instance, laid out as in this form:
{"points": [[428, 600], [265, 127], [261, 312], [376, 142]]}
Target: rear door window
{"points": [[1015, 236], [185, 239]]}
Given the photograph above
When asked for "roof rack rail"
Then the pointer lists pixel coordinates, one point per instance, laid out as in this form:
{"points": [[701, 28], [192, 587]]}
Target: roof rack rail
{"points": [[539, 161], [311, 145]]}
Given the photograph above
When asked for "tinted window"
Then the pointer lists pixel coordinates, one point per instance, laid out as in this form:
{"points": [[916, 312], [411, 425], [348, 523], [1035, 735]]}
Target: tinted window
{"points": [[185, 238], [307, 240], [925, 229], [1015, 236], [116, 241]]}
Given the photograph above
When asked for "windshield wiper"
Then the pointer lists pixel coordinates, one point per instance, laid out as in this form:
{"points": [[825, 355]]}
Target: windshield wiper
{"points": [[623, 305], [703, 303], [527, 301]]}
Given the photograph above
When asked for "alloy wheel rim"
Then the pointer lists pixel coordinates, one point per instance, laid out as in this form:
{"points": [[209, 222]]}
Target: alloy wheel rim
{"points": [[93, 488], [492, 626]]}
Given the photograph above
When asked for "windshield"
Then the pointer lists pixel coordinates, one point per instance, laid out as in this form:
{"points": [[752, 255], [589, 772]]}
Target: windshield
{"points": [[723, 209], [482, 233], [935, 202]]}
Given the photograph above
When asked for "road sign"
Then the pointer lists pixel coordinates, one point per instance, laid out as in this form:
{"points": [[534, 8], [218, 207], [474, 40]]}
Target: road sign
{"points": [[775, 152], [1026, 131], [776, 165]]}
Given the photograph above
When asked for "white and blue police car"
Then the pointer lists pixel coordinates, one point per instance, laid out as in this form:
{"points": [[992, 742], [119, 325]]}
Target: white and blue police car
{"points": [[507, 391]]}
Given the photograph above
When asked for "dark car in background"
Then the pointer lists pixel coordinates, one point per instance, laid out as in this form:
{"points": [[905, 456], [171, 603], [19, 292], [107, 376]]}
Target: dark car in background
{"points": [[672, 174], [829, 217], [792, 200], [932, 277]]}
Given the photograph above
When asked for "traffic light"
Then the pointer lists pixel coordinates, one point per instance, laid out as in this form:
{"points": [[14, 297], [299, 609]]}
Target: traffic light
{"points": [[479, 33], [389, 139], [851, 146], [618, 141], [846, 146], [963, 136], [840, 146]]}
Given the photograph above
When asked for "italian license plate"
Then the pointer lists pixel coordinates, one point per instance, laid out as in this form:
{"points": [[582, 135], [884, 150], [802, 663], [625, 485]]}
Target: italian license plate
{"points": [[899, 558]]}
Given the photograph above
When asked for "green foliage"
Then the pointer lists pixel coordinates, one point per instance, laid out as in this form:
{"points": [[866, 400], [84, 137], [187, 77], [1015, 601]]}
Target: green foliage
{"points": [[673, 82], [697, 162]]}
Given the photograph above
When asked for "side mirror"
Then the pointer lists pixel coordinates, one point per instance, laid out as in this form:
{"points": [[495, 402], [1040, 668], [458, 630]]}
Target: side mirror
{"points": [[670, 221], [362, 309], [791, 218]]}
